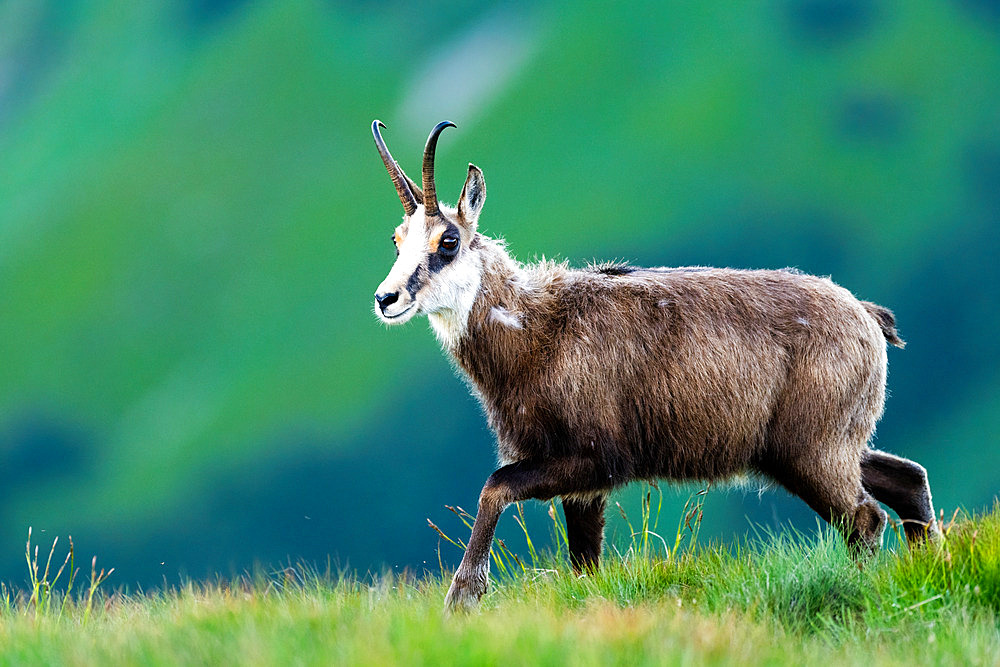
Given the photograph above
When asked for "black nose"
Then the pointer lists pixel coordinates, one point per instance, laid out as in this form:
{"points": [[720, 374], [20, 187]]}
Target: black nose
{"points": [[386, 300]]}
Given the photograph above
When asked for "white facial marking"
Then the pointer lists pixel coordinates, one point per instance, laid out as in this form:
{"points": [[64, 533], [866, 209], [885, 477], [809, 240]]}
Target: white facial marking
{"points": [[446, 297], [454, 294], [501, 315], [412, 252]]}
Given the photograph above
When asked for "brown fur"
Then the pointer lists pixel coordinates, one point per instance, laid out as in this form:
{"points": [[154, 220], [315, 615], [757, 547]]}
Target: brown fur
{"points": [[597, 377], [680, 374], [620, 374]]}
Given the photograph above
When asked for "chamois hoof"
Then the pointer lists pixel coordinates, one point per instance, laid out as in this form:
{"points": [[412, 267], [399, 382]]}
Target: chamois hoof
{"points": [[927, 535], [464, 594]]}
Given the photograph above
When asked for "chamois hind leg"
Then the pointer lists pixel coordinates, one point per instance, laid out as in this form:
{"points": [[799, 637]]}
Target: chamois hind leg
{"points": [[834, 490], [585, 531], [902, 485]]}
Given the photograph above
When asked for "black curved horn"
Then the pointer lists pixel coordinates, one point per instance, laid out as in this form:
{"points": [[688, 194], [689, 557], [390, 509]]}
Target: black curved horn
{"points": [[430, 195], [395, 172]]}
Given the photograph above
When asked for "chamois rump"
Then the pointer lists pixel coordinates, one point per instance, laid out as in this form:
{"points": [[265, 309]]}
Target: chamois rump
{"points": [[592, 378]]}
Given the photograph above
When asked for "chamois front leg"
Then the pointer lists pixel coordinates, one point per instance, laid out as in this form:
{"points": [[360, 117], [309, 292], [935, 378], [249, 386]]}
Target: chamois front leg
{"points": [[512, 483]]}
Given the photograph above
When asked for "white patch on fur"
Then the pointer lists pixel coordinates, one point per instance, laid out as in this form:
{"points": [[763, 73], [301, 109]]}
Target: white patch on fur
{"points": [[501, 315], [451, 296]]}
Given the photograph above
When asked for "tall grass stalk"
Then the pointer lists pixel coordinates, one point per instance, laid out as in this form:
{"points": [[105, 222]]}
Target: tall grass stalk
{"points": [[43, 588], [96, 579]]}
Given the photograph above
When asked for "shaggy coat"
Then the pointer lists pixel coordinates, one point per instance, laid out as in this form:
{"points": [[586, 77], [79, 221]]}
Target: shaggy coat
{"points": [[689, 373], [597, 377]]}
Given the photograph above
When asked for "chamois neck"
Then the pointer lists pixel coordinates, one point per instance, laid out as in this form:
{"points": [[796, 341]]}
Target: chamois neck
{"points": [[508, 321], [485, 270], [504, 291]]}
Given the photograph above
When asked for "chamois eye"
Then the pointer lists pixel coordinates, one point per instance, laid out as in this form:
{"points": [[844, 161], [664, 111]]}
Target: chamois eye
{"points": [[449, 243]]}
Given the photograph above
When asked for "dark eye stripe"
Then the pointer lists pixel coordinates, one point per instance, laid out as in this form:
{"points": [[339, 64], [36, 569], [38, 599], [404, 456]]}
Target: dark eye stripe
{"points": [[413, 284], [438, 260]]}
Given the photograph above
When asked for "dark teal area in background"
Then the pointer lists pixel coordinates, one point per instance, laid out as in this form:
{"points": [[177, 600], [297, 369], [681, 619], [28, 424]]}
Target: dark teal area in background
{"points": [[193, 220]]}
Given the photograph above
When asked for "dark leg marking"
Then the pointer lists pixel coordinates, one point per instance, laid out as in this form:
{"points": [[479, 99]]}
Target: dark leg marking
{"points": [[840, 500], [512, 483], [585, 531], [902, 485]]}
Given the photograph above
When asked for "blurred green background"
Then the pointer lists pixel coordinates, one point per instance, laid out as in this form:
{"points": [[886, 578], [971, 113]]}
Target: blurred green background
{"points": [[193, 219]]}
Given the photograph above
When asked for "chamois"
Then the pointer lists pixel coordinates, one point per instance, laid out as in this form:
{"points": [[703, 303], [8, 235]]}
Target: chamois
{"points": [[592, 378]]}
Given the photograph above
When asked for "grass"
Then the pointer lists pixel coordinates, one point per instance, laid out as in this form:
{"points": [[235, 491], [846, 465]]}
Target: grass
{"points": [[776, 598]]}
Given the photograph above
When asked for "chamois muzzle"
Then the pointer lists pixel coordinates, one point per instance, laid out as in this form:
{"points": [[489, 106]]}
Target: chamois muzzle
{"points": [[386, 300]]}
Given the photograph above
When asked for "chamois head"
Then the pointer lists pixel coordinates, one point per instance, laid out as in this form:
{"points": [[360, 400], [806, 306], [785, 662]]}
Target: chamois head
{"points": [[436, 270]]}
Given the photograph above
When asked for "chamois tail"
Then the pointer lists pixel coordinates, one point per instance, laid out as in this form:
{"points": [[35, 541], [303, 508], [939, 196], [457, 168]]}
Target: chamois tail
{"points": [[886, 321]]}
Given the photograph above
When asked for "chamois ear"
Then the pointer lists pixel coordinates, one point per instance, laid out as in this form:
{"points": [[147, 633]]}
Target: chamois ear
{"points": [[470, 203]]}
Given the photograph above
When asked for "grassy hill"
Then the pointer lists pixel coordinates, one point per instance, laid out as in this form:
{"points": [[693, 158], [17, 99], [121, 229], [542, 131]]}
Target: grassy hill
{"points": [[766, 601], [193, 219]]}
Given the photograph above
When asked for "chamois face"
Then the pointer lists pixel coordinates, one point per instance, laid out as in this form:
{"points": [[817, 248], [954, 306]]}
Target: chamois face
{"points": [[436, 271]]}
